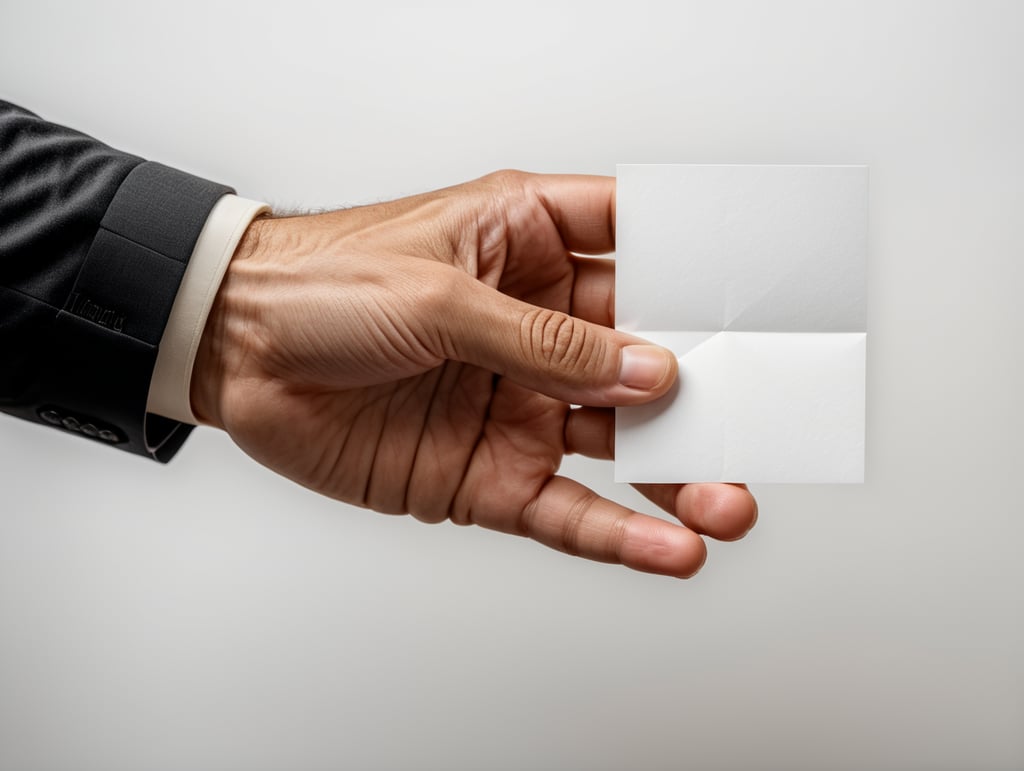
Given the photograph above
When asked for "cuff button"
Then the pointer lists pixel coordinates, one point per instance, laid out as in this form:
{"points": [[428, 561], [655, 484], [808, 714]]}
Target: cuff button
{"points": [[82, 424], [51, 416]]}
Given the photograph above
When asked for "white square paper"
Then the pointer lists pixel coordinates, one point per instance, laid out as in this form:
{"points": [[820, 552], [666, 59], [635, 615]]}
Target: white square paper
{"points": [[755, 277]]}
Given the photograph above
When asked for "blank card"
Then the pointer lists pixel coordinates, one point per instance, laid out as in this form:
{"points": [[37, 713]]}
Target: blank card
{"points": [[754, 276]]}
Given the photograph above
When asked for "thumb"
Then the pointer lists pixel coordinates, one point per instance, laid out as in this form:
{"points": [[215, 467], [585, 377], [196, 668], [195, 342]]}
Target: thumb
{"points": [[557, 354]]}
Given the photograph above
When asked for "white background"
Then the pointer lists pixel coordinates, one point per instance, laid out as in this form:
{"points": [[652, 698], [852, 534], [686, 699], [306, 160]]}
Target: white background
{"points": [[209, 615]]}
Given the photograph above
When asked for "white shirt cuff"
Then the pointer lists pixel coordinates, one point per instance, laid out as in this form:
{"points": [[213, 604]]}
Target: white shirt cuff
{"points": [[172, 377]]}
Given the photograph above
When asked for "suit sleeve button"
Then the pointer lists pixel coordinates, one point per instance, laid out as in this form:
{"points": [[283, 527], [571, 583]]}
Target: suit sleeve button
{"points": [[109, 436], [71, 423], [51, 416], [90, 430]]}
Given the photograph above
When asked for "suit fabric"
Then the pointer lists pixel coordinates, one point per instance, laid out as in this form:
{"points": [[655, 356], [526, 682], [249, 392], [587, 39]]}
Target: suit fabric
{"points": [[93, 246]]}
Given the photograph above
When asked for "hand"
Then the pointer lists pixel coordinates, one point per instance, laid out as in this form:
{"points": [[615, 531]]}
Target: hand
{"points": [[422, 355]]}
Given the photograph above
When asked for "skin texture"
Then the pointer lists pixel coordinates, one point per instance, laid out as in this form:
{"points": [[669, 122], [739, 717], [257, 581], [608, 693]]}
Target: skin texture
{"points": [[421, 356]]}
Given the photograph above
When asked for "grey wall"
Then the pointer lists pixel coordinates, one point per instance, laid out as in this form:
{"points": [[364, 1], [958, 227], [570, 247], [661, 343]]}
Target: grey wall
{"points": [[208, 615]]}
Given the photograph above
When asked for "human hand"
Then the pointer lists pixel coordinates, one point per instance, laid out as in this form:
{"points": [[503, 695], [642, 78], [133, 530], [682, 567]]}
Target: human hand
{"points": [[421, 356]]}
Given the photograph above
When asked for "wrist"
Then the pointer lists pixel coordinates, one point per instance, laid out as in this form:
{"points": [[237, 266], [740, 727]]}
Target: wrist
{"points": [[220, 352]]}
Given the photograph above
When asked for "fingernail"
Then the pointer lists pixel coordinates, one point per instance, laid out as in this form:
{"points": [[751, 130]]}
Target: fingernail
{"points": [[644, 366]]}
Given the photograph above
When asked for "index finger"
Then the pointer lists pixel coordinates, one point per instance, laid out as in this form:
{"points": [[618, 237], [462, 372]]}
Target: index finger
{"points": [[582, 208]]}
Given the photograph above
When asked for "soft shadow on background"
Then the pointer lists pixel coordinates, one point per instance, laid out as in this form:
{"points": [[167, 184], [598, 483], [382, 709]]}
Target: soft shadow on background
{"points": [[209, 615]]}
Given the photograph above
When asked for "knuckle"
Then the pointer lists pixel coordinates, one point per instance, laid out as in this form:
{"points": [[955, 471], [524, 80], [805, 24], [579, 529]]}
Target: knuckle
{"points": [[572, 525], [559, 339], [429, 517], [508, 188], [617, 534], [462, 519], [506, 178]]}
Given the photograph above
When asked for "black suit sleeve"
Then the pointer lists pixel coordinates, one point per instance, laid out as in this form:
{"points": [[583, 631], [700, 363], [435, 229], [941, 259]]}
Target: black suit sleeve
{"points": [[93, 246]]}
